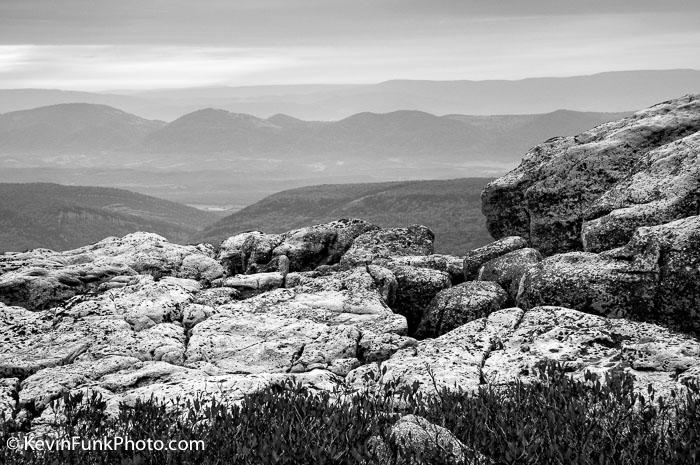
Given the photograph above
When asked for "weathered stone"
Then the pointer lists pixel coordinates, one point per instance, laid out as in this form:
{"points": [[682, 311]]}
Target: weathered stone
{"points": [[547, 197], [202, 268], [8, 396], [323, 244], [246, 252], [251, 284], [460, 304], [83, 270], [509, 344], [507, 270], [582, 342], [664, 186], [654, 277], [216, 296], [415, 438], [386, 243], [416, 288], [477, 257], [450, 264]]}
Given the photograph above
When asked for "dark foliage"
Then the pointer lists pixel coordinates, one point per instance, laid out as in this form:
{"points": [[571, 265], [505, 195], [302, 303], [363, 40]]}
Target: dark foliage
{"points": [[556, 420]]}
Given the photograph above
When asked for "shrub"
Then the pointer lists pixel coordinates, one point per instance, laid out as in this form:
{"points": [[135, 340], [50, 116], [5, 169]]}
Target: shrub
{"points": [[555, 420]]}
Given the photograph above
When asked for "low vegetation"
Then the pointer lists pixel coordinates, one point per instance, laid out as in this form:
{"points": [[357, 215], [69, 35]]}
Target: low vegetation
{"points": [[555, 420]]}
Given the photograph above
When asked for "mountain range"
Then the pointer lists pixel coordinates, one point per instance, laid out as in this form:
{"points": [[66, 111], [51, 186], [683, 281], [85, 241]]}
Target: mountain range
{"points": [[215, 157], [450, 208], [604, 92], [65, 217]]}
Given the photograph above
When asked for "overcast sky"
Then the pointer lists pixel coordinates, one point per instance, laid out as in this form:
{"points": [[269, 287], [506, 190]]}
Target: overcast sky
{"points": [[138, 44]]}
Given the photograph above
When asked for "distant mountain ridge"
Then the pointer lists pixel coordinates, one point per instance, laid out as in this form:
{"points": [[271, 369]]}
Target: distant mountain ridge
{"points": [[605, 92], [63, 217], [451, 208], [86, 132]]}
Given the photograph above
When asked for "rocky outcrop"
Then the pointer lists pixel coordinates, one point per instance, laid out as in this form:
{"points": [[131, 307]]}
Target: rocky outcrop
{"points": [[510, 343], [654, 277], [389, 243], [568, 180], [664, 186], [507, 270], [450, 264], [453, 307], [306, 248], [476, 258], [44, 279]]}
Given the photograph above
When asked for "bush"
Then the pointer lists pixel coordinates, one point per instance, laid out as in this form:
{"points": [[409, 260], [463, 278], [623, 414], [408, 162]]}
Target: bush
{"points": [[556, 420]]}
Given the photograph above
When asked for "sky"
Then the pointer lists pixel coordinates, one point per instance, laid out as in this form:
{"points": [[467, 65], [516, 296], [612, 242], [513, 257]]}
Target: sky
{"points": [[99, 45]]}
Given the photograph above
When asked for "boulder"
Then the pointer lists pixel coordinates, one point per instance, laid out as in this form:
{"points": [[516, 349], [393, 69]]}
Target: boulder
{"points": [[324, 244], [509, 344], [664, 186], [415, 438], [460, 304], [474, 259], [416, 287], [507, 270], [450, 264], [547, 197], [389, 243], [246, 252], [656, 276]]}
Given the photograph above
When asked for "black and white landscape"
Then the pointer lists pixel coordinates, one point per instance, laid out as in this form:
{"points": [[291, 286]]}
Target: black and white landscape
{"points": [[334, 232]]}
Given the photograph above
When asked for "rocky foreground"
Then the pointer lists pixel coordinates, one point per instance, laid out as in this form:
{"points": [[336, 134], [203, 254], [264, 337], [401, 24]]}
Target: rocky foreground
{"points": [[597, 266]]}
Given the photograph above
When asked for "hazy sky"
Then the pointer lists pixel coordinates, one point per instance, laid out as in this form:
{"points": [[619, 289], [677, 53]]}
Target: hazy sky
{"points": [[137, 44]]}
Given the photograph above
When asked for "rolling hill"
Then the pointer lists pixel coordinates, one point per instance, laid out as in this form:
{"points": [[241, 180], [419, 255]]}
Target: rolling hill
{"points": [[451, 208], [64, 217], [72, 128]]}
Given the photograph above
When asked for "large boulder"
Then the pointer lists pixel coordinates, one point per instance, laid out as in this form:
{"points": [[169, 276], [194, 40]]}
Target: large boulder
{"points": [[474, 259], [460, 304], [656, 276], [416, 287], [547, 198], [387, 243], [247, 252], [507, 270], [324, 244], [509, 344], [664, 186]]}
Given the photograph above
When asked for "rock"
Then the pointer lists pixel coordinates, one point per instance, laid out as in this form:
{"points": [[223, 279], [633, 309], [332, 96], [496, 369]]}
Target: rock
{"points": [[201, 268], [477, 257], [388, 243], [460, 304], [450, 264], [216, 296], [193, 314], [547, 198], [306, 248], [247, 285], [664, 186], [8, 396], [583, 342], [509, 344], [324, 244], [246, 342], [378, 347], [654, 277], [507, 270], [79, 271], [416, 288], [415, 438], [245, 253]]}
